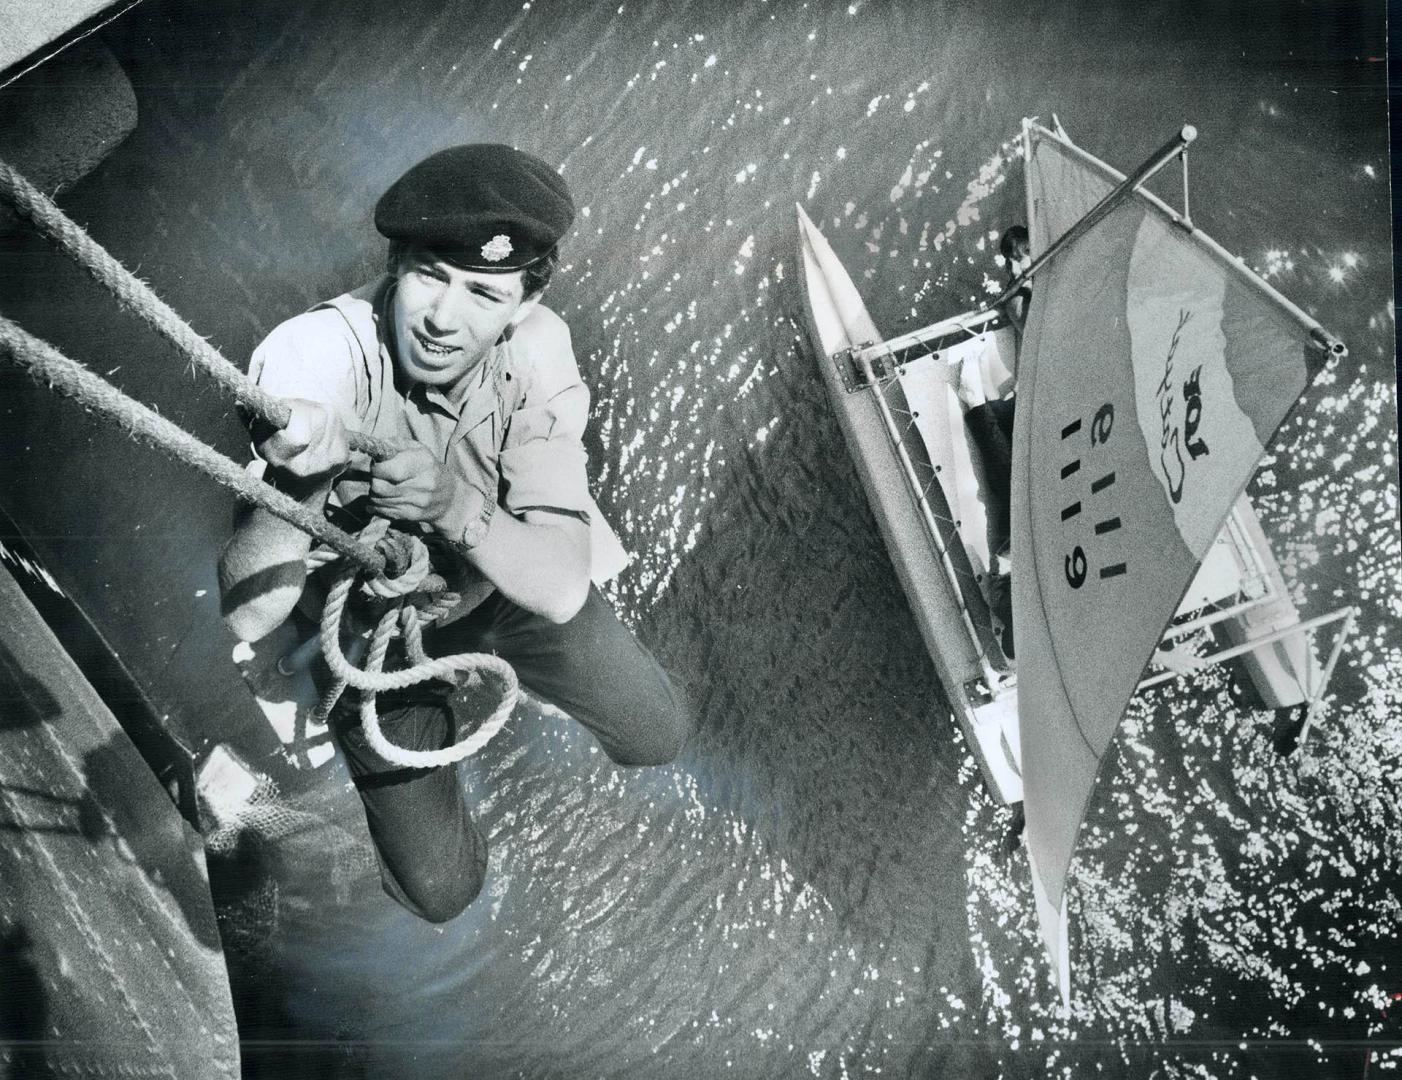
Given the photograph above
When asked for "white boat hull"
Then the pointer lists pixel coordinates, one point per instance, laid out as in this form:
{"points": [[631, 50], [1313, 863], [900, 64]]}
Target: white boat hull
{"points": [[838, 321]]}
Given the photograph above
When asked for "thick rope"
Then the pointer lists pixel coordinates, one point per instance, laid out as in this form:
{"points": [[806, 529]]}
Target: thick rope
{"points": [[139, 298], [411, 623], [71, 378], [374, 679], [441, 668], [411, 578], [404, 551]]}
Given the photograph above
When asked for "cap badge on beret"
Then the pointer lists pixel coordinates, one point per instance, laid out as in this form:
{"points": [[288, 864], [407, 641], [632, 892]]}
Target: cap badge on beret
{"points": [[497, 248]]}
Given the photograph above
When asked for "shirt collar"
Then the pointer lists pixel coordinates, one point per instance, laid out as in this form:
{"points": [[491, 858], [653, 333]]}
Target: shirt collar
{"points": [[480, 397]]}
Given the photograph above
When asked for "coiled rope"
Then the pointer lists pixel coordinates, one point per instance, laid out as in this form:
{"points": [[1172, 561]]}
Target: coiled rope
{"points": [[397, 564], [404, 617]]}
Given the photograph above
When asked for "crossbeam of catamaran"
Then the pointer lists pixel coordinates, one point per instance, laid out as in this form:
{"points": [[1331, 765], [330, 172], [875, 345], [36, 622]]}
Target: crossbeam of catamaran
{"points": [[1346, 614]]}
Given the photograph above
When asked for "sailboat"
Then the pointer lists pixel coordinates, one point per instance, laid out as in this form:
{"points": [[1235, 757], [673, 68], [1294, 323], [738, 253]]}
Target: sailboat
{"points": [[1150, 371]]}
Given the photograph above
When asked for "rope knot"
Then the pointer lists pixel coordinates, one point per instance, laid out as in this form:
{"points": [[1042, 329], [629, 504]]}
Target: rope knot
{"points": [[400, 549]]}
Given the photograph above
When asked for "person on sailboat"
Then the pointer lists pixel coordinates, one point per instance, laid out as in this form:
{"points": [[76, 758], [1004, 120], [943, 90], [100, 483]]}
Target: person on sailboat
{"points": [[452, 354], [989, 404], [1015, 246]]}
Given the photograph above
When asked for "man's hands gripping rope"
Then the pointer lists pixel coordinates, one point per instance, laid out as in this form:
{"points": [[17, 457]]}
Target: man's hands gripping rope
{"points": [[409, 485]]}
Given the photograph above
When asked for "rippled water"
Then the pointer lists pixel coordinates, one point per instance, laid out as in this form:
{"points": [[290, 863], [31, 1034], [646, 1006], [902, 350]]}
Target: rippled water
{"points": [[820, 885]]}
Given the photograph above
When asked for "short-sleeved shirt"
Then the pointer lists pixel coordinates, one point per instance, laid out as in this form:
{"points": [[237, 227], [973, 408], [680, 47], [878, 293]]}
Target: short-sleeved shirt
{"points": [[515, 435]]}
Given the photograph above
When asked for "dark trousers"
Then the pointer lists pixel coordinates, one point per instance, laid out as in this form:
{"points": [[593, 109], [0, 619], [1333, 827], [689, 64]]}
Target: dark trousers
{"points": [[990, 428], [433, 857]]}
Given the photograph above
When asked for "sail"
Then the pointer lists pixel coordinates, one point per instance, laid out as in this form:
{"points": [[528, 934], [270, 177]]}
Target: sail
{"points": [[1153, 371]]}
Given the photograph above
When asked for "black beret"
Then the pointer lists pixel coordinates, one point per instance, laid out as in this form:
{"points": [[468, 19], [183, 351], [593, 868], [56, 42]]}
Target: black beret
{"points": [[490, 206]]}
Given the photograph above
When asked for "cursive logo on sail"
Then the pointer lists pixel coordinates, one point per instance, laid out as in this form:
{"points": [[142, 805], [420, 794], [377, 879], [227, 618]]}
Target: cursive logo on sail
{"points": [[1192, 415], [1175, 439]]}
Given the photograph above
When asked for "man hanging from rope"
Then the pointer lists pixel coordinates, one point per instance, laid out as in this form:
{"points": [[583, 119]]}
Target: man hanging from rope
{"points": [[452, 354]]}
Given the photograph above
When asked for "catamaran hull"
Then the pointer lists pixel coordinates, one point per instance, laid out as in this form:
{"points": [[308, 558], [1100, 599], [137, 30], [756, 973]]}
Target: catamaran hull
{"points": [[1284, 672], [837, 322]]}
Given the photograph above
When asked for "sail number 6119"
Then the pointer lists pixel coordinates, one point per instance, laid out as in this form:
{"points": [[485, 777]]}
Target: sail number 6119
{"points": [[1101, 425]]}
